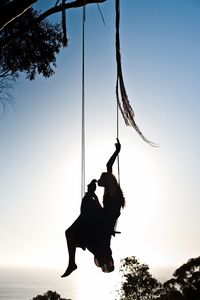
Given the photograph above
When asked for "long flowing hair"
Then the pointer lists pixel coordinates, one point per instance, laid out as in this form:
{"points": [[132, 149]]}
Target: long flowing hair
{"points": [[112, 188]]}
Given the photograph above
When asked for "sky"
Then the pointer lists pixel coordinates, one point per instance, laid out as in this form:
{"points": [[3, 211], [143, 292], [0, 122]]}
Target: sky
{"points": [[40, 153]]}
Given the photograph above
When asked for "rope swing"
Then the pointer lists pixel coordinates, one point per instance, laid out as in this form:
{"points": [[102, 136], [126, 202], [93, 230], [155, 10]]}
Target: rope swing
{"points": [[121, 95], [123, 103], [96, 224], [83, 108]]}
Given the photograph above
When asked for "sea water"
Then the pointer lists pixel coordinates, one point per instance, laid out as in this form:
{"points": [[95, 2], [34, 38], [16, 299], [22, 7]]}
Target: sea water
{"points": [[24, 284], [84, 283]]}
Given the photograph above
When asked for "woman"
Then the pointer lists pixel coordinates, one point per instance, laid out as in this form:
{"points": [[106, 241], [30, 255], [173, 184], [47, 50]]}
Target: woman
{"points": [[82, 232], [95, 225], [113, 201]]}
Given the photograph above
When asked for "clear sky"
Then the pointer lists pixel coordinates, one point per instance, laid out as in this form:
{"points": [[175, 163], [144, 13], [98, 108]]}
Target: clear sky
{"points": [[41, 142]]}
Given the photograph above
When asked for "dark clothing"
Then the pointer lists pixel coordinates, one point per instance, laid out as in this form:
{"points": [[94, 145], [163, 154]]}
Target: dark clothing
{"points": [[109, 216], [95, 226], [90, 205], [111, 211], [85, 226]]}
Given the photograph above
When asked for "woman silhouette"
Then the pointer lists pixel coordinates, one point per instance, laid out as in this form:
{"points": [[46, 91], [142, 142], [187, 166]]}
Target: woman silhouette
{"points": [[95, 225], [113, 201], [82, 232]]}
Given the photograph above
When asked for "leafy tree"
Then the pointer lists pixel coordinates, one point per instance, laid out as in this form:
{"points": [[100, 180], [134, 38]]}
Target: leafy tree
{"points": [[172, 295], [6, 98], [32, 51], [138, 283], [49, 296], [185, 281], [28, 42]]}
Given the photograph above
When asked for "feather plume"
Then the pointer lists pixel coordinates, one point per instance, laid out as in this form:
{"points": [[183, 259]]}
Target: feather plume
{"points": [[121, 95]]}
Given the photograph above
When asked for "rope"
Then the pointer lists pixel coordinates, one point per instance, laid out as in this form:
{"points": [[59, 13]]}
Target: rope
{"points": [[83, 109], [118, 166], [121, 95], [102, 17], [64, 27]]}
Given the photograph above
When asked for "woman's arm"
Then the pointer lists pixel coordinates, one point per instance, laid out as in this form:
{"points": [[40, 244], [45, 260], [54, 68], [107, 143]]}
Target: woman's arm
{"points": [[113, 157]]}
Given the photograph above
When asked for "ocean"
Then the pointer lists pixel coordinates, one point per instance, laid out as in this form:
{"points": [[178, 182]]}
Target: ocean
{"points": [[24, 284], [84, 283]]}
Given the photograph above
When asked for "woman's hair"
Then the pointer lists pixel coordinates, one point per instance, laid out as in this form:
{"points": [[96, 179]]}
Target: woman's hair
{"points": [[112, 187]]}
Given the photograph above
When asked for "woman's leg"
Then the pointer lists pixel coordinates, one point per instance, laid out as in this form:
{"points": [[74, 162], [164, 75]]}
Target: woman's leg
{"points": [[71, 245]]}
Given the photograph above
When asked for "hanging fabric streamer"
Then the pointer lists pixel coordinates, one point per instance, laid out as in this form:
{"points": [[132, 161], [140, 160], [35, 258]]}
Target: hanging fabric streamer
{"points": [[121, 95]]}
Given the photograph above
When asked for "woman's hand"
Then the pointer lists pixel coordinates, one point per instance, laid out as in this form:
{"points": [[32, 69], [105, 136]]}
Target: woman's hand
{"points": [[113, 157], [118, 146]]}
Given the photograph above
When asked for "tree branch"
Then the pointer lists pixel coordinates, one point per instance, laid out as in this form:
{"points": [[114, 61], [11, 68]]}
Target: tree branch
{"points": [[5, 74], [61, 7], [16, 8], [13, 10]]}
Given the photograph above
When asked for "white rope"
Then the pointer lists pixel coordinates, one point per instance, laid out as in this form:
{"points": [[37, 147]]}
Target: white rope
{"points": [[83, 109]]}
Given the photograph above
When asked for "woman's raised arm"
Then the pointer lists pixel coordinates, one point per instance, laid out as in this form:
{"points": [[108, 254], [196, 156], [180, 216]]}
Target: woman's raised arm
{"points": [[113, 157]]}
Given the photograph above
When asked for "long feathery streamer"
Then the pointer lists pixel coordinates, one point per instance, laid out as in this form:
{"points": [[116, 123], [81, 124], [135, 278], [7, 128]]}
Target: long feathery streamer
{"points": [[121, 95]]}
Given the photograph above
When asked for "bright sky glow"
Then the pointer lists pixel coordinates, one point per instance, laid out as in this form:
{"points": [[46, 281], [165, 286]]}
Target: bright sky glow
{"points": [[40, 141]]}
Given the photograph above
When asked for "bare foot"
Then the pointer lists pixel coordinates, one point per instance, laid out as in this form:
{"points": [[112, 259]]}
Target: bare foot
{"points": [[69, 270]]}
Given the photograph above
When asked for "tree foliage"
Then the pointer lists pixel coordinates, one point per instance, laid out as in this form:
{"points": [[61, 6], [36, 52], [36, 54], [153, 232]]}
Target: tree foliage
{"points": [[186, 281], [50, 295], [32, 51], [28, 42], [6, 98], [138, 283]]}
